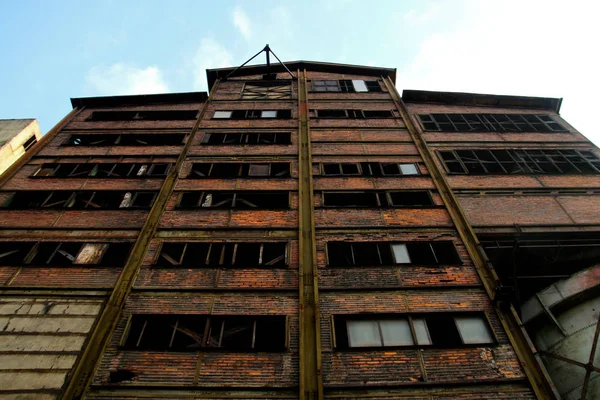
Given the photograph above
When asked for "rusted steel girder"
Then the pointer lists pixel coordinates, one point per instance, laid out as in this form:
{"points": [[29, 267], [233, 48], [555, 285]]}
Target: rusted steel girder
{"points": [[311, 380]]}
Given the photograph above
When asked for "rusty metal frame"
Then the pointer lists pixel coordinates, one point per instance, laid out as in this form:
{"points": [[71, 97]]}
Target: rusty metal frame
{"points": [[311, 379], [87, 363], [527, 354]]}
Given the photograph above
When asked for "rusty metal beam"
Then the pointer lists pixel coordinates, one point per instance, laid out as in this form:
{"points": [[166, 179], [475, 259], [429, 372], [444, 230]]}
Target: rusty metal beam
{"points": [[530, 361], [87, 363], [311, 381]]}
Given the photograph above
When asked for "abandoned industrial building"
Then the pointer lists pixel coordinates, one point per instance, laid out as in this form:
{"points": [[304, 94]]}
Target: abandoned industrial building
{"points": [[303, 231]]}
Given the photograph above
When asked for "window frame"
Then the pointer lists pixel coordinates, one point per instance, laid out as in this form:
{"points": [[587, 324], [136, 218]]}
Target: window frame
{"points": [[490, 123], [411, 318]]}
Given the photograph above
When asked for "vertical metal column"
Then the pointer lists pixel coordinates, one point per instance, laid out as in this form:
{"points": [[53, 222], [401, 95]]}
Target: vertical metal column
{"points": [[86, 365], [311, 381], [535, 372]]}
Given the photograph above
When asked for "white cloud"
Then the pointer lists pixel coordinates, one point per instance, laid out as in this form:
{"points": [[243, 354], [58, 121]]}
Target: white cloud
{"points": [[415, 17], [242, 22], [535, 48], [124, 79], [210, 54]]}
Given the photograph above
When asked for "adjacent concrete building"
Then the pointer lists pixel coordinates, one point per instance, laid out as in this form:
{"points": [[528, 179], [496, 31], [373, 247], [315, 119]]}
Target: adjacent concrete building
{"points": [[302, 231], [16, 137]]}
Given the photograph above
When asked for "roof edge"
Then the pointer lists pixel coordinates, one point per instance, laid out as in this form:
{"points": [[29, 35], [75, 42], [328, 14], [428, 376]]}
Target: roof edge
{"points": [[140, 99], [215, 73], [481, 99]]}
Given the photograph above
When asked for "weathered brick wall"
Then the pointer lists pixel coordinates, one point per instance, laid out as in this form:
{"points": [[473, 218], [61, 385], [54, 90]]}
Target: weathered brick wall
{"points": [[401, 277], [280, 278], [372, 368], [206, 369]]}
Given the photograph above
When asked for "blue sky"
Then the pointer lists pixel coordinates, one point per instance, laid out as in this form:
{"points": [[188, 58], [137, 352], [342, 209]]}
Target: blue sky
{"points": [[52, 51]]}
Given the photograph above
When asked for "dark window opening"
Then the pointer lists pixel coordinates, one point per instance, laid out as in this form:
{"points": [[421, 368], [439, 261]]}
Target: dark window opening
{"points": [[102, 170], [29, 143], [267, 138], [378, 114], [378, 199], [490, 123], [129, 139], [347, 254], [167, 115], [63, 253], [505, 162], [341, 169], [236, 170], [202, 332], [331, 113], [252, 114], [441, 330], [207, 255], [236, 200], [377, 169], [100, 200]]}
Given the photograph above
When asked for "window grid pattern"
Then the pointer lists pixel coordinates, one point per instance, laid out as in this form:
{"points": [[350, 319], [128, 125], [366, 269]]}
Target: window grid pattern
{"points": [[130, 139], [490, 123], [63, 253], [344, 86], [505, 162], [368, 169], [264, 138], [81, 200]]}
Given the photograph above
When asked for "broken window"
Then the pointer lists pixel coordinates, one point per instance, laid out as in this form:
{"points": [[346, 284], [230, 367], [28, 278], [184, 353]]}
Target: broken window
{"points": [[490, 123], [246, 200], [326, 86], [252, 114], [29, 143], [346, 86], [377, 199], [63, 253], [129, 139], [340, 169], [201, 332], [347, 254], [236, 170], [221, 138], [99, 200], [267, 90], [445, 330], [158, 115], [216, 254], [353, 114], [512, 161], [102, 170]]}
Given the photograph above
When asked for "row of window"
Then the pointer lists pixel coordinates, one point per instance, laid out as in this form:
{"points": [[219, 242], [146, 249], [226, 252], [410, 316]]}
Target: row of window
{"points": [[490, 123], [357, 114], [345, 86], [102, 170], [80, 200], [218, 170], [229, 254], [271, 333], [368, 169], [503, 162], [128, 139], [252, 114], [263, 138], [159, 115], [63, 253], [242, 200]]}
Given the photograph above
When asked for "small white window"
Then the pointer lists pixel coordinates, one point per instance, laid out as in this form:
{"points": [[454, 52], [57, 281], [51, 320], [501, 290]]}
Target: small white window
{"points": [[363, 334], [222, 114], [359, 86], [396, 333], [473, 330], [421, 331], [401, 254], [409, 169], [268, 114]]}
